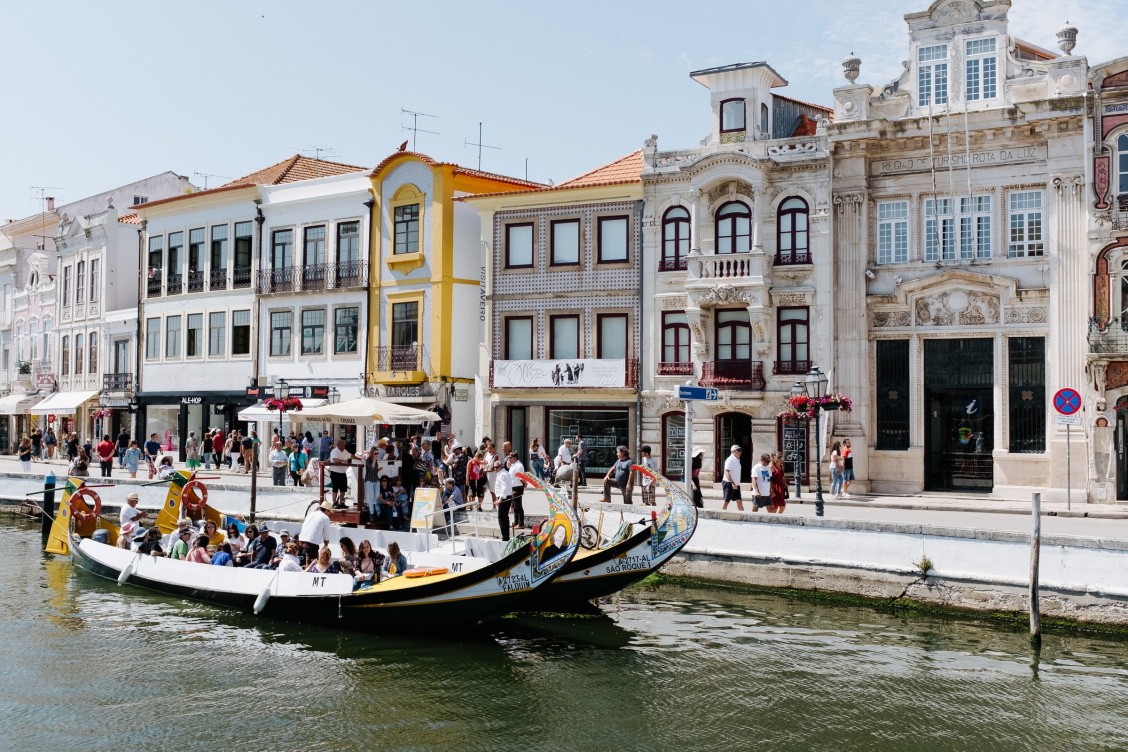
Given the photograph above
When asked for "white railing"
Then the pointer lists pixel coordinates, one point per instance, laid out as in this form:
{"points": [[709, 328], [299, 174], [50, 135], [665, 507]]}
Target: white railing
{"points": [[726, 266]]}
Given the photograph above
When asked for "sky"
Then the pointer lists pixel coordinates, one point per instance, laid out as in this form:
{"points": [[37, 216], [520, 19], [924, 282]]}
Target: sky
{"points": [[97, 95]]}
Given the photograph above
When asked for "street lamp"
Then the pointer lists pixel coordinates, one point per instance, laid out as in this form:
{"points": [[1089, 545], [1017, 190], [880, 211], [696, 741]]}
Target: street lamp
{"points": [[815, 385], [281, 393]]}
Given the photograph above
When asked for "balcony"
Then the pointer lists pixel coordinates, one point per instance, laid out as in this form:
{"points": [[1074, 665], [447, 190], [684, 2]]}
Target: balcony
{"points": [[1108, 335], [314, 277], [791, 367], [276, 280], [675, 369], [407, 365], [730, 266], [153, 286], [798, 258], [673, 264], [217, 279], [740, 375], [117, 382], [349, 274], [174, 284], [195, 281], [242, 278]]}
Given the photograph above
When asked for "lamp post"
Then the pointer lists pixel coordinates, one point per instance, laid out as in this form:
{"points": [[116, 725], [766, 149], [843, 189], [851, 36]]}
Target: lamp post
{"points": [[815, 384], [281, 393], [797, 389]]}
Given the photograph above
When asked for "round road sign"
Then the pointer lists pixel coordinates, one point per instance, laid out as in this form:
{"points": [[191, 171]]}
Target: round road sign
{"points": [[1067, 401]]}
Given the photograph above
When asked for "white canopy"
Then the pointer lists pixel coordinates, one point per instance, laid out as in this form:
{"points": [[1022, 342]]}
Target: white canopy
{"points": [[364, 411], [258, 414], [15, 404], [62, 403]]}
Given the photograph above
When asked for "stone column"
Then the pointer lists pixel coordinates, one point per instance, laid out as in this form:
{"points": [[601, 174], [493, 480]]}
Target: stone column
{"points": [[757, 215], [847, 328]]}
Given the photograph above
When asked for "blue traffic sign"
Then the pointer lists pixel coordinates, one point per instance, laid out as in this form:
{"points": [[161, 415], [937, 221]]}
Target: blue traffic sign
{"points": [[698, 393], [1067, 401]]}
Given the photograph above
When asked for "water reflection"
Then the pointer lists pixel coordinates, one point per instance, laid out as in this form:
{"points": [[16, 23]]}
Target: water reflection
{"points": [[94, 665]]}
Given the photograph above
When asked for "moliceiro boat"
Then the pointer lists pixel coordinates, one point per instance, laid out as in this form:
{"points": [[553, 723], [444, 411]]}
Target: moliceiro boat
{"points": [[466, 589]]}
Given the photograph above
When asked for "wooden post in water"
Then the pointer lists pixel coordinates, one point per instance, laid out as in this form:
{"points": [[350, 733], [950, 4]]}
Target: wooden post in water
{"points": [[1035, 550], [47, 506]]}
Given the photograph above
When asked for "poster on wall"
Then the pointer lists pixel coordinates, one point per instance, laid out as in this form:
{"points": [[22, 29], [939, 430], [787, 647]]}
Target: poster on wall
{"points": [[577, 373]]}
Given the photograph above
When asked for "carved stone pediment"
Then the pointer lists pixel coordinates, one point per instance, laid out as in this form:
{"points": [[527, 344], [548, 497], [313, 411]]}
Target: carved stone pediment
{"points": [[957, 307], [724, 294], [955, 297]]}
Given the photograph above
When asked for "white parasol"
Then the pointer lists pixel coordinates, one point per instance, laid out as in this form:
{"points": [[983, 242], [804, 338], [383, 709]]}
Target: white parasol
{"points": [[364, 411]]}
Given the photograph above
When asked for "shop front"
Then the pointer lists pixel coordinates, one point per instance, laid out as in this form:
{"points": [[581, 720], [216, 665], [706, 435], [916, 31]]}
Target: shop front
{"points": [[173, 416], [68, 412], [16, 420], [603, 427]]}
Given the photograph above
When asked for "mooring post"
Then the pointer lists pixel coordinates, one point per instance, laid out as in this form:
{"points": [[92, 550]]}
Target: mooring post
{"points": [[1035, 549], [47, 506]]}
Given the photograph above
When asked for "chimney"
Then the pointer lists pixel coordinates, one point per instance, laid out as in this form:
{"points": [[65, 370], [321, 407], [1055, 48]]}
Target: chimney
{"points": [[50, 203]]}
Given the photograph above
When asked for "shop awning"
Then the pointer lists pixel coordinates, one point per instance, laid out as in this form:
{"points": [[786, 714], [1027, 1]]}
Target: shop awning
{"points": [[16, 404], [259, 414], [62, 403]]}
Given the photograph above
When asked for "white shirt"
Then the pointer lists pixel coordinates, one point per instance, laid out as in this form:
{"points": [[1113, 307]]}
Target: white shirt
{"points": [[732, 469], [129, 514], [289, 563], [762, 477], [565, 454], [338, 454], [503, 486], [650, 464], [315, 528], [515, 468], [278, 458]]}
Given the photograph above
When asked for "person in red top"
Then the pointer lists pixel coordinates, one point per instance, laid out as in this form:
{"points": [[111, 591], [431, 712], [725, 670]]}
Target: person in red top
{"points": [[217, 445], [106, 451]]}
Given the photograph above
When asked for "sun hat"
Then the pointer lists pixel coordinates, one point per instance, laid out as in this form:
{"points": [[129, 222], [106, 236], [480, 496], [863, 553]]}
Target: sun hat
{"points": [[133, 496], [326, 505], [736, 448], [128, 528]]}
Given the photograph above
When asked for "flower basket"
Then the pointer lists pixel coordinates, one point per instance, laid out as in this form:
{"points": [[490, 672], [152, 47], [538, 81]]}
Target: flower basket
{"points": [[289, 405], [803, 407]]}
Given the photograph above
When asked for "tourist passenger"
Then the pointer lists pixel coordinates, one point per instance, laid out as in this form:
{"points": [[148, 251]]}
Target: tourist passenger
{"points": [[130, 512], [179, 549], [324, 563], [261, 550], [762, 482], [349, 559], [779, 485], [503, 493], [289, 560], [396, 563], [213, 533], [222, 556], [199, 553], [516, 467], [620, 474], [339, 461], [730, 481], [235, 539], [125, 536], [315, 529], [647, 482], [452, 502], [152, 543], [132, 459], [369, 563]]}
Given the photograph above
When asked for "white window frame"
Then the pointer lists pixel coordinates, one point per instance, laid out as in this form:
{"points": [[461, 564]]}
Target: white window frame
{"points": [[1026, 224], [932, 75], [981, 69], [952, 237], [153, 338], [892, 232]]}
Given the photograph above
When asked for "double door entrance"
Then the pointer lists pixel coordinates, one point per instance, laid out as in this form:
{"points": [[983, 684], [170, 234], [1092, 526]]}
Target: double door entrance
{"points": [[959, 415]]}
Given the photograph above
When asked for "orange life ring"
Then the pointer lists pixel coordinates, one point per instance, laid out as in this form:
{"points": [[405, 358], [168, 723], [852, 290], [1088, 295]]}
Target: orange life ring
{"points": [[194, 497], [91, 499], [424, 572]]}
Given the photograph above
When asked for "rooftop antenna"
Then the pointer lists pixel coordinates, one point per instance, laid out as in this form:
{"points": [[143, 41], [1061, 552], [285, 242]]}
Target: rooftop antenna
{"points": [[42, 197], [328, 151], [479, 144], [414, 127], [206, 175]]}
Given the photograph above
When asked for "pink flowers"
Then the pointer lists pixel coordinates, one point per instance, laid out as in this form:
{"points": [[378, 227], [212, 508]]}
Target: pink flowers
{"points": [[801, 406], [290, 404]]}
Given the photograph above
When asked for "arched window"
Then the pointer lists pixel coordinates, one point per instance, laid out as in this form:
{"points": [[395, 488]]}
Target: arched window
{"points": [[675, 239], [734, 228], [93, 359], [1122, 172], [78, 354], [66, 356], [792, 234]]}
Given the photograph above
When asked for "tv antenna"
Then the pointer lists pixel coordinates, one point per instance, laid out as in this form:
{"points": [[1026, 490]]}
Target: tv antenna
{"points": [[318, 151], [207, 175], [41, 190], [479, 144], [414, 127]]}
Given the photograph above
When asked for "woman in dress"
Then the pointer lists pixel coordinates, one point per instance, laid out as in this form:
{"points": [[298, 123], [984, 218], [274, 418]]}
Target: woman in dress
{"points": [[778, 486], [847, 467], [475, 481], [192, 451], [24, 453], [132, 458]]}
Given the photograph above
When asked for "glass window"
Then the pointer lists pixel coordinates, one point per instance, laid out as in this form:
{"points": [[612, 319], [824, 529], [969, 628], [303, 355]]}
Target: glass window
{"points": [[241, 332], [348, 243], [519, 245], [793, 340], [65, 351], [675, 337], [280, 322], [939, 230], [194, 341], [172, 337], [675, 239], [80, 282], [405, 324], [732, 115], [195, 252], [565, 242], [603, 429], [892, 232], [217, 331], [734, 228], [932, 75], [612, 343], [519, 338], [152, 339], [981, 69], [313, 331], [1122, 170], [219, 247], [734, 335], [93, 348], [156, 252], [611, 237], [971, 234], [893, 394], [1027, 390], [95, 278], [764, 118], [406, 229], [244, 241], [345, 324], [282, 249], [79, 353], [792, 232], [314, 246], [174, 273], [67, 285], [47, 341], [1025, 222], [565, 337]]}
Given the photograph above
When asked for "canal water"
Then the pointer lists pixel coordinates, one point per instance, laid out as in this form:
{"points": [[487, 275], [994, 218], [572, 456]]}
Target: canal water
{"points": [[88, 665]]}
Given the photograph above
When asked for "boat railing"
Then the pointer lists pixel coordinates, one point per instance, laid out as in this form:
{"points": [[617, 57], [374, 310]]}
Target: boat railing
{"points": [[451, 522]]}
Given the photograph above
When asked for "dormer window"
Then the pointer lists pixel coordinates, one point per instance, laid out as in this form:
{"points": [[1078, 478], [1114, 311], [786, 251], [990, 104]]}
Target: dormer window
{"points": [[932, 75], [982, 68], [732, 115]]}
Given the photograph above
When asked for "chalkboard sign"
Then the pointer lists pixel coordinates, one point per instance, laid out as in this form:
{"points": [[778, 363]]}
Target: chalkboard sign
{"points": [[795, 447]]}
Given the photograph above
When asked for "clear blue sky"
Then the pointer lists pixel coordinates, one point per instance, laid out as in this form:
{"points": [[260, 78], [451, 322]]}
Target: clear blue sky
{"points": [[99, 94]]}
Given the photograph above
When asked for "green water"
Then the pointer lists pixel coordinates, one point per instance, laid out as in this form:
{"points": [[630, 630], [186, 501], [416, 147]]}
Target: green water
{"points": [[88, 665]]}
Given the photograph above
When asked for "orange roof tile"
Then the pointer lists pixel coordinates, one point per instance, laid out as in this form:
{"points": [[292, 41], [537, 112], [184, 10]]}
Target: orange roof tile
{"points": [[623, 171], [458, 169]]}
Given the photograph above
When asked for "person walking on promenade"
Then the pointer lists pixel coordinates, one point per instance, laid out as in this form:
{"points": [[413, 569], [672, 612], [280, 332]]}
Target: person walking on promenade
{"points": [[37, 445], [564, 465], [132, 459], [192, 451], [50, 442], [779, 485], [219, 440], [762, 482], [695, 476], [515, 467], [72, 447], [152, 454], [730, 481], [847, 467], [122, 446], [279, 463], [834, 464], [619, 473], [106, 451], [647, 482], [24, 453], [581, 459]]}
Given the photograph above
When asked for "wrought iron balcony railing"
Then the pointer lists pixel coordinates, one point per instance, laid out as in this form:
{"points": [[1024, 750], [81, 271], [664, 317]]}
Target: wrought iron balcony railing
{"points": [[117, 382], [674, 368], [217, 279], [401, 359], [242, 277], [791, 366], [313, 278], [741, 375]]}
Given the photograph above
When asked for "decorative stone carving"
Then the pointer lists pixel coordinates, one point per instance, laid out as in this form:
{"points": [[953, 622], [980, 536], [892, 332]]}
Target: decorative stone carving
{"points": [[955, 13], [844, 200], [729, 190], [1026, 315], [1100, 376], [958, 307], [1067, 38], [725, 294], [791, 298], [1116, 376], [792, 149], [883, 319]]}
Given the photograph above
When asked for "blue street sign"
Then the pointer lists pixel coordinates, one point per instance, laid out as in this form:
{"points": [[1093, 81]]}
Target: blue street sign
{"points": [[1067, 401], [698, 393]]}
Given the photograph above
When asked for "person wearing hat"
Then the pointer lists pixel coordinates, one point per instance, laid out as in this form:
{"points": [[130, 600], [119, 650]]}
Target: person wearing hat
{"points": [[730, 482], [698, 458], [262, 549], [126, 535], [339, 461], [315, 530], [130, 512], [184, 524], [452, 501], [181, 544]]}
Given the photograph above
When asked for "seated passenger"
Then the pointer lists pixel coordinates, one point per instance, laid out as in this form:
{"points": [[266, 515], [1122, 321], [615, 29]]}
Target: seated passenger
{"points": [[324, 563], [235, 539], [215, 536], [125, 537], [349, 560], [152, 543], [179, 549], [222, 556], [369, 562], [396, 562], [165, 470], [199, 553], [261, 549], [243, 557], [289, 560]]}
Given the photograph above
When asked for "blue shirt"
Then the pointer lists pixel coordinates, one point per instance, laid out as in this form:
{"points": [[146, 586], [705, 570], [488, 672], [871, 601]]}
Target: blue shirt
{"points": [[221, 559]]}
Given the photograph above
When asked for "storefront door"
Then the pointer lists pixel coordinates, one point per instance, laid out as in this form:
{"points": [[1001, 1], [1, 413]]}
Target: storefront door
{"points": [[734, 428], [959, 415], [1118, 441]]}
